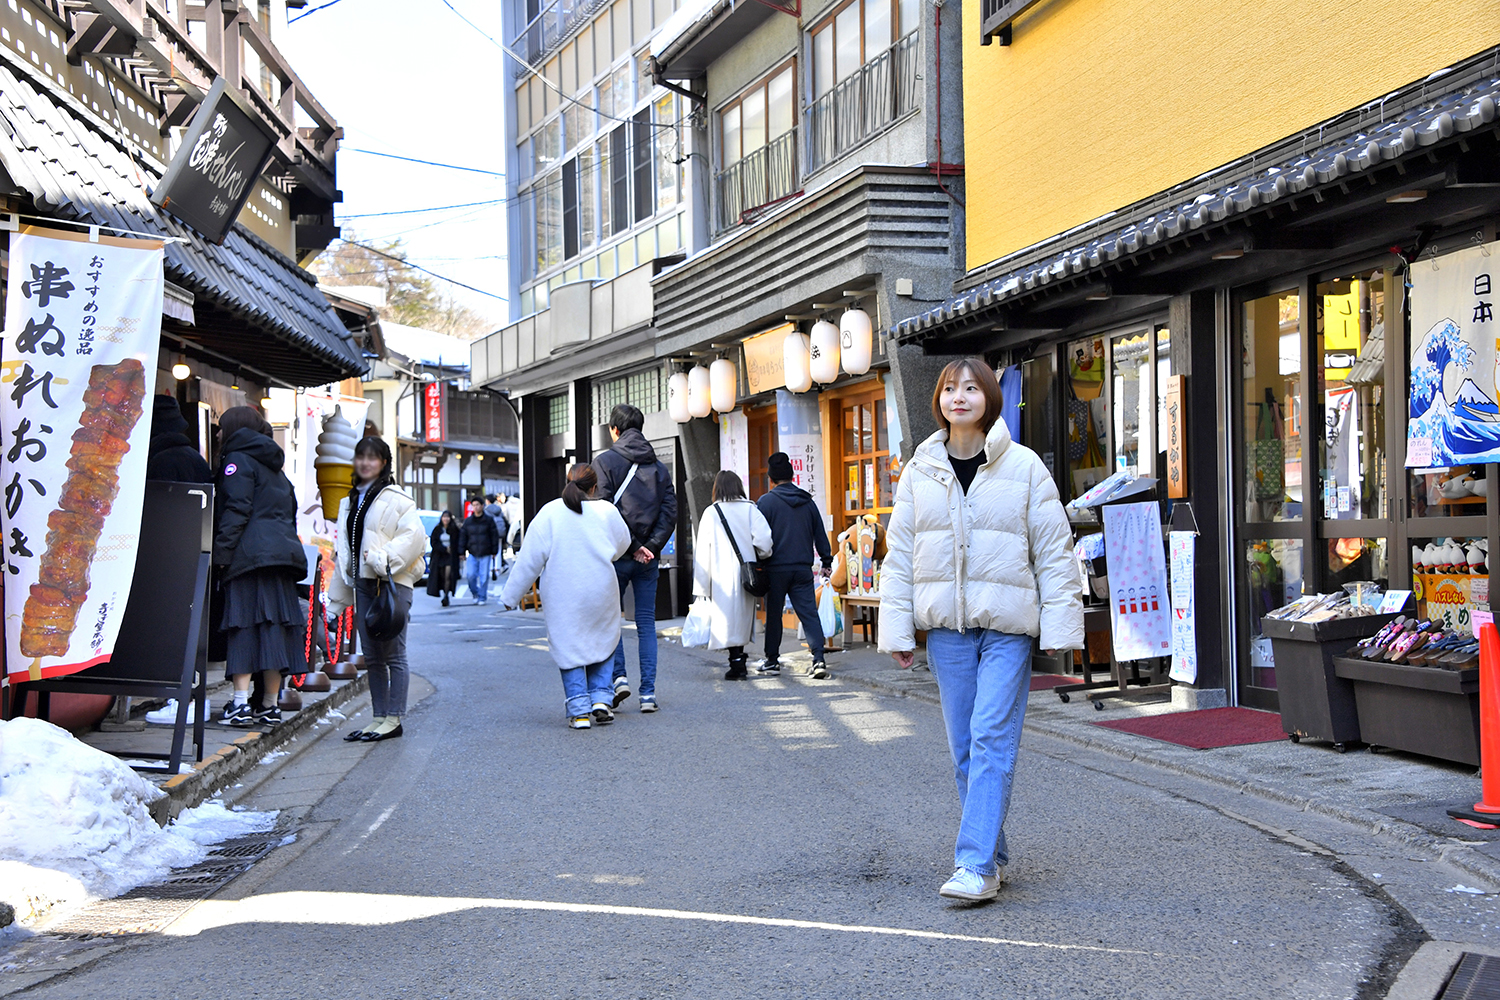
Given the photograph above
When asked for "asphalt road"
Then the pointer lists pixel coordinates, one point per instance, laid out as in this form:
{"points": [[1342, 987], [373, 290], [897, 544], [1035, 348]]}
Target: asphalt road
{"points": [[774, 838]]}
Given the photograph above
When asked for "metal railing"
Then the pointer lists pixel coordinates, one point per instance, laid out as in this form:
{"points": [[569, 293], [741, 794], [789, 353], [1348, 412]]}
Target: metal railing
{"points": [[767, 175], [879, 92], [555, 23]]}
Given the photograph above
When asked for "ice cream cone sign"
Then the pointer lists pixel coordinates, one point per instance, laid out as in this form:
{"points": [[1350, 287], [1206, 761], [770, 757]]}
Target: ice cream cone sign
{"points": [[335, 461]]}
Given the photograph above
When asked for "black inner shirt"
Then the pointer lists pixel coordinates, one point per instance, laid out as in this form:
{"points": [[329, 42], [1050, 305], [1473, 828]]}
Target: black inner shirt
{"points": [[965, 468]]}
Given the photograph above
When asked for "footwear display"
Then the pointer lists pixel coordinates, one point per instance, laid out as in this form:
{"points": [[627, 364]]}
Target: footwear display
{"points": [[971, 886], [648, 704], [581, 722], [622, 691], [818, 671], [268, 716], [602, 713], [238, 716]]}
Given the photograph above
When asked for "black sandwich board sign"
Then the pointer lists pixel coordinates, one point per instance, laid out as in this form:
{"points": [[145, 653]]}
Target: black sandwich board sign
{"points": [[215, 169]]}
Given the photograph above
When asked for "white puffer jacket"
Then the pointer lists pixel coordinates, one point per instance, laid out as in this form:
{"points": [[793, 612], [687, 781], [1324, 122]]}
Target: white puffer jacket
{"points": [[1000, 558], [392, 526]]}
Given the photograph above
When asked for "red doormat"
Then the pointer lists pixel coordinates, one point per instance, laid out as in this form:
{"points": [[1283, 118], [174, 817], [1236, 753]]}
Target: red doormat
{"points": [[1041, 682], [1206, 728]]}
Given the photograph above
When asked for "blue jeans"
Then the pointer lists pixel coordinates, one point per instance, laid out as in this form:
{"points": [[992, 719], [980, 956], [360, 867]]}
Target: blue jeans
{"points": [[478, 573], [643, 577], [586, 686], [983, 678]]}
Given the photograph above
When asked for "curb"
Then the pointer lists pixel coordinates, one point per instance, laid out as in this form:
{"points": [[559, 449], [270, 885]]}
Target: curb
{"points": [[221, 769]]}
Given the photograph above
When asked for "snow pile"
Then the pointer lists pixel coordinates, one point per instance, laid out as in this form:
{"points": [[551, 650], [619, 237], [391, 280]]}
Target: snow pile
{"points": [[77, 825]]}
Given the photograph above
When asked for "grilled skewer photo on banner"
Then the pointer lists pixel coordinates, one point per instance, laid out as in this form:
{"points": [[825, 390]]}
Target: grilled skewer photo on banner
{"points": [[77, 368]]}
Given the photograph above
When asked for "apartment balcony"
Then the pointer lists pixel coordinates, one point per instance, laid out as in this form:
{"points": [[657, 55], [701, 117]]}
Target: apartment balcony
{"points": [[552, 26], [863, 103], [764, 177]]}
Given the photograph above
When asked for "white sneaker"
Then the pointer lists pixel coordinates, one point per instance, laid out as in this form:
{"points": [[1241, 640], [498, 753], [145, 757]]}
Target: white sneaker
{"points": [[622, 691], [603, 714], [582, 722], [167, 714], [972, 886]]}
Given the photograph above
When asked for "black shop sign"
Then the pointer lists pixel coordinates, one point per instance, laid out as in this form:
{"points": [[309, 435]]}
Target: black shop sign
{"points": [[214, 171]]}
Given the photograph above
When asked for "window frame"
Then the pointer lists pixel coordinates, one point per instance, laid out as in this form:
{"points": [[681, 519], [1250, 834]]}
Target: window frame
{"points": [[763, 84], [828, 23]]}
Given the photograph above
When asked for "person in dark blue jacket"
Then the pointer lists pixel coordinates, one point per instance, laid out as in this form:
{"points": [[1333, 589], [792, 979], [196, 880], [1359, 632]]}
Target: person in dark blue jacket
{"points": [[631, 477], [797, 532]]}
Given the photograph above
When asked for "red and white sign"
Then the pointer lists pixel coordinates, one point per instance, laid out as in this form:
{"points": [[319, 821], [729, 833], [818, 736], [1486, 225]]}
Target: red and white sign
{"points": [[435, 411]]}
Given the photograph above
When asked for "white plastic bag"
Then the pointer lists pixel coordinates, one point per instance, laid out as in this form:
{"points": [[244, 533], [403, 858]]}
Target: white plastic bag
{"points": [[696, 630], [828, 612]]}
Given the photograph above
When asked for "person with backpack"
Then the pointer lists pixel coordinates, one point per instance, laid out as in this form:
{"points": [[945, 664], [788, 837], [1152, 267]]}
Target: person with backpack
{"points": [[980, 556], [495, 512], [631, 477], [797, 532], [481, 541], [732, 535], [571, 546]]}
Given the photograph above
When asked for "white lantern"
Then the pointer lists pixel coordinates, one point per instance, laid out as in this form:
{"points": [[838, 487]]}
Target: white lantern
{"points": [[677, 398], [823, 361], [858, 334], [795, 358], [723, 381], [699, 404]]}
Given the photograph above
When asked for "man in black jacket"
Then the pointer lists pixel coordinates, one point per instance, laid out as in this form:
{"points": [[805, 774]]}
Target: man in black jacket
{"points": [[796, 532], [172, 457], [631, 477], [481, 541]]}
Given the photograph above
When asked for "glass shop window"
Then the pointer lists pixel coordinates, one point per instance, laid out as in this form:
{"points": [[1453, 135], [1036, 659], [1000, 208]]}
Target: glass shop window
{"points": [[1084, 417], [1130, 383], [1351, 375], [1039, 409], [866, 458], [1274, 579], [1271, 367]]}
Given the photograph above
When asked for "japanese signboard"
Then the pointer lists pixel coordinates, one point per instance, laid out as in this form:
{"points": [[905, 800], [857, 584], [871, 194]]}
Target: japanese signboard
{"points": [[77, 367], [764, 360], [1174, 436], [1139, 611], [1454, 419], [435, 411], [216, 166], [800, 433], [1180, 545]]}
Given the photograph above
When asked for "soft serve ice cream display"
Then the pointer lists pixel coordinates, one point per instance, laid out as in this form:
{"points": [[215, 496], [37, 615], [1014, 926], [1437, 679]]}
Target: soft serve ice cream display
{"points": [[335, 461]]}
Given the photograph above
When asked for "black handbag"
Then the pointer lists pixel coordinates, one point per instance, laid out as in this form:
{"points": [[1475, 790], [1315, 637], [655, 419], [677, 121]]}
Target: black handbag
{"points": [[385, 617], [752, 577]]}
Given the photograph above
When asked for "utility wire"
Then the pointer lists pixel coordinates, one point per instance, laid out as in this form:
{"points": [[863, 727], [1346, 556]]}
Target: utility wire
{"points": [[311, 10], [413, 159], [414, 211], [406, 263]]}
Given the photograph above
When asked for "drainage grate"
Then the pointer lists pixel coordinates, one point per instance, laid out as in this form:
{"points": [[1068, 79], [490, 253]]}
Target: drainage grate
{"points": [[1476, 978], [225, 863]]}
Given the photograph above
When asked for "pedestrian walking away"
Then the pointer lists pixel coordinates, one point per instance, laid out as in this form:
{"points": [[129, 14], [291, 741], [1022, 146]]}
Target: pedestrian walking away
{"points": [[377, 543], [495, 511], [481, 541], [259, 559], [732, 533], [797, 532], [447, 555], [571, 546], [979, 555], [640, 486]]}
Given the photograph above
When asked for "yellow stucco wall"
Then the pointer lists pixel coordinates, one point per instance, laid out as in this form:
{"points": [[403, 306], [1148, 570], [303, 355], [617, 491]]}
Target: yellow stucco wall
{"points": [[1099, 103]]}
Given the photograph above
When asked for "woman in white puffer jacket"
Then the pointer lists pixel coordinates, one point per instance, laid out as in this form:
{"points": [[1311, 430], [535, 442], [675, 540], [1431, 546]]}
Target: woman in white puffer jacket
{"points": [[979, 555]]}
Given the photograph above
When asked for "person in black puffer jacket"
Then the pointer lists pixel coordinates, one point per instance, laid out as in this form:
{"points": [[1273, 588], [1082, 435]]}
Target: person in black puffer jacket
{"points": [[173, 459], [447, 558], [259, 559], [481, 540], [797, 532]]}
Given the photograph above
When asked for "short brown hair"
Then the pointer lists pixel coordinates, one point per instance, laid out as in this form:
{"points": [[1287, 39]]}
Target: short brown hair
{"points": [[982, 374]]}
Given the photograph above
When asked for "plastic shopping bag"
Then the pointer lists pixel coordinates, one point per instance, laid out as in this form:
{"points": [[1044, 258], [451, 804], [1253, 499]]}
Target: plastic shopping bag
{"points": [[828, 612], [696, 630]]}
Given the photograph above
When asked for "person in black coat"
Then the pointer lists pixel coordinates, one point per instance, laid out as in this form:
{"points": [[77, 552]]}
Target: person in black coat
{"points": [[797, 532], [172, 457], [481, 540], [447, 555], [259, 558]]}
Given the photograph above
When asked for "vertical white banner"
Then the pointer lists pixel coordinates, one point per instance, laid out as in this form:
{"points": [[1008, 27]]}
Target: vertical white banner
{"points": [[1139, 610], [734, 444], [799, 431], [1180, 547], [78, 366]]}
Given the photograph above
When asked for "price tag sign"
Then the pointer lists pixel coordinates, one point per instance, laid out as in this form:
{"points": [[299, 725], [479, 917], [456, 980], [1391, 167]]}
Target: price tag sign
{"points": [[1393, 601], [1478, 618]]}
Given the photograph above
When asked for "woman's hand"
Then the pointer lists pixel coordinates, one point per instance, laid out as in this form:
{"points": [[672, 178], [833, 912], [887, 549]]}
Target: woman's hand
{"points": [[378, 560], [905, 659]]}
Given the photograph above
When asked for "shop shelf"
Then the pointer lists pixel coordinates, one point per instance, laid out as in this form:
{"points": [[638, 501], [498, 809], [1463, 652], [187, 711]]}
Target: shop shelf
{"points": [[1315, 703], [1425, 710]]}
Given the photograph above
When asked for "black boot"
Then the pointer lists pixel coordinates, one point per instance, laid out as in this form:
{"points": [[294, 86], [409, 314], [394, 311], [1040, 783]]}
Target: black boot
{"points": [[737, 664]]}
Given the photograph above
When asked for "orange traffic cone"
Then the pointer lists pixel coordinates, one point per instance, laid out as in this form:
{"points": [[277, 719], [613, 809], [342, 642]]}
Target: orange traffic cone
{"points": [[1487, 810]]}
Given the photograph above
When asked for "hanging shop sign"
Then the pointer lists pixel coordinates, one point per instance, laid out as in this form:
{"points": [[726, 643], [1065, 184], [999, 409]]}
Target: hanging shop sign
{"points": [[764, 365], [1139, 610], [1180, 547], [734, 444], [1454, 419], [82, 325], [216, 166], [435, 411], [800, 433], [1174, 437]]}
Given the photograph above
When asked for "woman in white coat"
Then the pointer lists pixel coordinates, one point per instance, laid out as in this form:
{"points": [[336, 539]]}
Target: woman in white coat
{"points": [[732, 520], [979, 554], [572, 545]]}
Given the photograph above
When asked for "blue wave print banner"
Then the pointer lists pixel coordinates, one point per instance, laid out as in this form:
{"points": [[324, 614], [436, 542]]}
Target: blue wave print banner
{"points": [[1454, 418]]}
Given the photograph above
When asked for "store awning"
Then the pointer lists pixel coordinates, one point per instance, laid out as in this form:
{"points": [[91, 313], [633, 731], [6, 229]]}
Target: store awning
{"points": [[1408, 124], [252, 303]]}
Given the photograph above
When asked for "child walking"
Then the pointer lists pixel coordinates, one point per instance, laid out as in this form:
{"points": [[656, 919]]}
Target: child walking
{"points": [[572, 545]]}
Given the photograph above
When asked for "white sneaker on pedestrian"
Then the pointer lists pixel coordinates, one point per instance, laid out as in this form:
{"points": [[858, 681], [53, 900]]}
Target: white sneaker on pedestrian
{"points": [[582, 722], [648, 704], [622, 691], [603, 715], [971, 886]]}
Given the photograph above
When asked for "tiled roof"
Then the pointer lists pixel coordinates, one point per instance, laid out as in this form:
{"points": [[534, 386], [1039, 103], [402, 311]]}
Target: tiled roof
{"points": [[73, 171], [1418, 128]]}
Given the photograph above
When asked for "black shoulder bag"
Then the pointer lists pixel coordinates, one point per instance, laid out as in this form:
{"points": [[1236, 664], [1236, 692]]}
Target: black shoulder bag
{"points": [[752, 577]]}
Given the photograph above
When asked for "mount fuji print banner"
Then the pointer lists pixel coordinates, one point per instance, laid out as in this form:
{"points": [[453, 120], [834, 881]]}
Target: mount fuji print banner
{"points": [[1454, 419]]}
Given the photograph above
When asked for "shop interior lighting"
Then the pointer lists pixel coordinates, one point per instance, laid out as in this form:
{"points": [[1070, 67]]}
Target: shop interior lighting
{"points": [[265, 402], [1406, 197], [181, 371]]}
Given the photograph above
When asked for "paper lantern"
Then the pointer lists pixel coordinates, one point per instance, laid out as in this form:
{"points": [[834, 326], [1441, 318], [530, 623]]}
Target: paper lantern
{"points": [[823, 359], [677, 398], [723, 381], [857, 334], [699, 403], [795, 358]]}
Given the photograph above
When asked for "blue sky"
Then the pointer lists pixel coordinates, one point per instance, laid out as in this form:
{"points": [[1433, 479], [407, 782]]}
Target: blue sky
{"points": [[409, 77]]}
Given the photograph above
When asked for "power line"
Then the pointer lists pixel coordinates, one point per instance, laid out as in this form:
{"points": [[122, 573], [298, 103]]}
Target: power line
{"points": [[312, 10], [414, 211], [418, 267], [413, 159]]}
